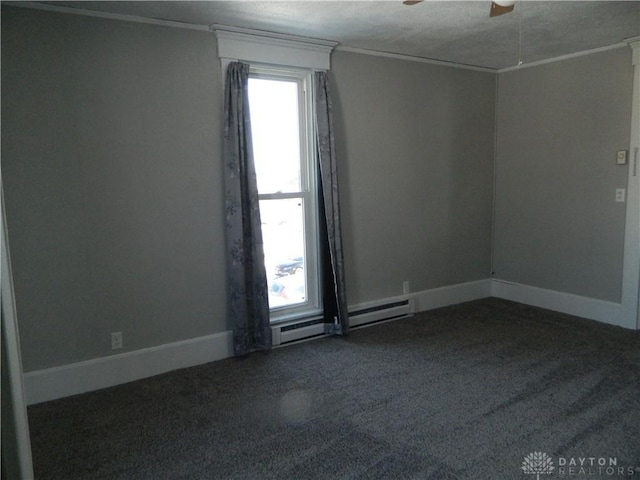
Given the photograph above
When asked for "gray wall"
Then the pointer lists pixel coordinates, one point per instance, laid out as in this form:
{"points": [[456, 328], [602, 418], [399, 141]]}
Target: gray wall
{"points": [[111, 156], [559, 125], [416, 146], [111, 163]]}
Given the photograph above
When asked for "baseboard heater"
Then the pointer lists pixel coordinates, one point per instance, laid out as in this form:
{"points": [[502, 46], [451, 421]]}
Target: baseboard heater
{"points": [[381, 312], [359, 315]]}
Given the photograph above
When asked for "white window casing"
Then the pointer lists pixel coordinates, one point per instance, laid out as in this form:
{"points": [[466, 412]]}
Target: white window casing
{"points": [[255, 46]]}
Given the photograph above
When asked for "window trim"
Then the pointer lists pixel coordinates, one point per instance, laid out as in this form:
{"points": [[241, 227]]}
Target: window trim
{"points": [[235, 43], [308, 189]]}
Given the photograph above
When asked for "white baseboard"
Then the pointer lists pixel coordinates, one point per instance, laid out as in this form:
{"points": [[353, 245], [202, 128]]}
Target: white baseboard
{"points": [[585, 307], [451, 295], [436, 297], [103, 372], [81, 377]]}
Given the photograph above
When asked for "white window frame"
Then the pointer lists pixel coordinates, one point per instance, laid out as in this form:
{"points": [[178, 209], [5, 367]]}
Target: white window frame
{"points": [[308, 189]]}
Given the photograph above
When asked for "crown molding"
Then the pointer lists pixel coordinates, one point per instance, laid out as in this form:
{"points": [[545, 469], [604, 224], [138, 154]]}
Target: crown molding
{"points": [[411, 58], [563, 57], [633, 42], [108, 15]]}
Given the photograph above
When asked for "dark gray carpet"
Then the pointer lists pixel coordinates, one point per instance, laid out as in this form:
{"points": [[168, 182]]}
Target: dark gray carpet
{"points": [[463, 392]]}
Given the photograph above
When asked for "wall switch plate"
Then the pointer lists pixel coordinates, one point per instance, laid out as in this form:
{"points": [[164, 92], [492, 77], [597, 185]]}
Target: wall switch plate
{"points": [[116, 340], [621, 157], [620, 193]]}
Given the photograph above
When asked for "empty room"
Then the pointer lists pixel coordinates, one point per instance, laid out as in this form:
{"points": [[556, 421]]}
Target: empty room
{"points": [[320, 239]]}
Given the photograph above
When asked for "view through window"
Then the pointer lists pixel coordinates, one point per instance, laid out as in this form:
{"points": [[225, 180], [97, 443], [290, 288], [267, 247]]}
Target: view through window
{"points": [[280, 131]]}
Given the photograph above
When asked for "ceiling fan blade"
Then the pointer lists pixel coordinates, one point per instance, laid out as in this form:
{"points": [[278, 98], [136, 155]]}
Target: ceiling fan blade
{"points": [[412, 2], [500, 8]]}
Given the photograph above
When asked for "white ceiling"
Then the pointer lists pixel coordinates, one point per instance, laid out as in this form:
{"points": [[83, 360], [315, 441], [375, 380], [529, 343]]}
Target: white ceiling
{"points": [[451, 31]]}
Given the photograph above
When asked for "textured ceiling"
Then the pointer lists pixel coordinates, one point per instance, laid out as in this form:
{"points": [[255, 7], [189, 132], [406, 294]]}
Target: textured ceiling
{"points": [[452, 31]]}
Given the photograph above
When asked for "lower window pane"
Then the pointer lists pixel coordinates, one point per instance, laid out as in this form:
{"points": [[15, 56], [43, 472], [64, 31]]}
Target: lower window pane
{"points": [[284, 251]]}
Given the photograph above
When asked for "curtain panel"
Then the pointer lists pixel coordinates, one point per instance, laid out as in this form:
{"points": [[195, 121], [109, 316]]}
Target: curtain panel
{"points": [[334, 291], [247, 295]]}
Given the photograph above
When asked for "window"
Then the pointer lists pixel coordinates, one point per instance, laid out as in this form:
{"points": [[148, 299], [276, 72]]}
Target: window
{"points": [[283, 147]]}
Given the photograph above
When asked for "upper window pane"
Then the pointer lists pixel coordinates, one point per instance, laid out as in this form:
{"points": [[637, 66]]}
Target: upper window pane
{"points": [[275, 128]]}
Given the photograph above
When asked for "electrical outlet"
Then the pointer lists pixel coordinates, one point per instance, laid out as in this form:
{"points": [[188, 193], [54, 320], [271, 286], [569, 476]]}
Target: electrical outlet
{"points": [[620, 193], [116, 340], [621, 157], [406, 288]]}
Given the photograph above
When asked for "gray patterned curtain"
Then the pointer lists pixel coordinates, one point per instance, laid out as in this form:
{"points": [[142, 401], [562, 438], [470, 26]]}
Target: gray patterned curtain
{"points": [[334, 292], [247, 297]]}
